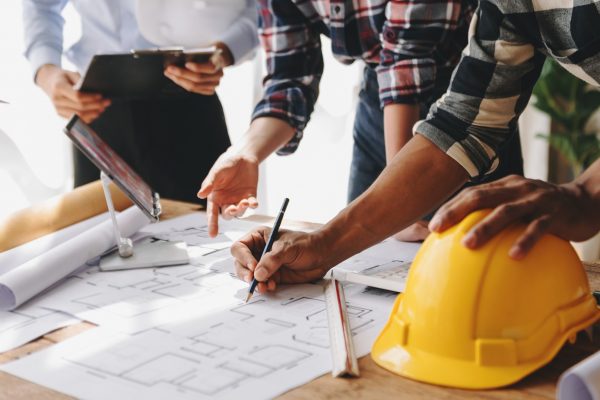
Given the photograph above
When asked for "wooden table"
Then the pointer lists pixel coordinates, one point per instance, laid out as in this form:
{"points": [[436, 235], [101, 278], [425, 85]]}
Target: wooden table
{"points": [[374, 382]]}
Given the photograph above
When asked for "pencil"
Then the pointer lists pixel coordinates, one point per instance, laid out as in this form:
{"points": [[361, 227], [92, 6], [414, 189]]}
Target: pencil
{"points": [[269, 244]]}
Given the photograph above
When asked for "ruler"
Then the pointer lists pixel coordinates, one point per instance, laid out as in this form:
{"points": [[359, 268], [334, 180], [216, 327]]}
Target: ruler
{"points": [[343, 356]]}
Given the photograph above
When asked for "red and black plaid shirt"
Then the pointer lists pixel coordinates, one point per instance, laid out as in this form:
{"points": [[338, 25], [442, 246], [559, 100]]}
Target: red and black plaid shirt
{"points": [[406, 40]]}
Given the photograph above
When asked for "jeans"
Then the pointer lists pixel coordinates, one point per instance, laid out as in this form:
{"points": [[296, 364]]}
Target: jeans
{"points": [[368, 154], [170, 142]]}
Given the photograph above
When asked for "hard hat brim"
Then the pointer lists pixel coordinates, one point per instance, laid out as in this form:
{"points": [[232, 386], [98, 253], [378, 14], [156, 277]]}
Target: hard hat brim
{"points": [[422, 366]]}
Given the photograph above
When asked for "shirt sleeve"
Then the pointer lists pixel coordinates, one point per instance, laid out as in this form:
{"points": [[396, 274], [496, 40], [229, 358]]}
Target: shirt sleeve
{"points": [[242, 37], [294, 66], [490, 88], [412, 32], [43, 29]]}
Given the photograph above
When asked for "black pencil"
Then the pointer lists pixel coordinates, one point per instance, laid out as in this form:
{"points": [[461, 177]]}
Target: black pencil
{"points": [[269, 244]]}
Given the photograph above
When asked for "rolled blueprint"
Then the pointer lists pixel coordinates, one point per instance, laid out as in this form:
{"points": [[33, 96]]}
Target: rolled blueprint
{"points": [[581, 381], [59, 212], [24, 282]]}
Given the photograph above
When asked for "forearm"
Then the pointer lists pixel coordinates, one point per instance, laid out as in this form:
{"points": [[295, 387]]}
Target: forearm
{"points": [[419, 178], [398, 121], [265, 136]]}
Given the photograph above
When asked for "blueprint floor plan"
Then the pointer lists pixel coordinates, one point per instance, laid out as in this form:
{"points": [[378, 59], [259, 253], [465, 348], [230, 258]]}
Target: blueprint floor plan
{"points": [[255, 350], [185, 332]]}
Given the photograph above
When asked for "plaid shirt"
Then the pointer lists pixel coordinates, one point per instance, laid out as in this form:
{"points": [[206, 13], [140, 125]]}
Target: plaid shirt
{"points": [[508, 44], [407, 41]]}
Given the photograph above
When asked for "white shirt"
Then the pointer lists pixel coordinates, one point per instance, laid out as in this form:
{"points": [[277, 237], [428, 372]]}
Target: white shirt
{"points": [[108, 26]]}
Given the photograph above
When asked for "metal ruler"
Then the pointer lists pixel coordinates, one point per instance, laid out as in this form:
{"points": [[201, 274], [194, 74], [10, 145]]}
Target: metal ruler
{"points": [[343, 356]]}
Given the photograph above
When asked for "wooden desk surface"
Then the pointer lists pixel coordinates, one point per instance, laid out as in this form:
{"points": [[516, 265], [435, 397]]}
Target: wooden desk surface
{"points": [[374, 382]]}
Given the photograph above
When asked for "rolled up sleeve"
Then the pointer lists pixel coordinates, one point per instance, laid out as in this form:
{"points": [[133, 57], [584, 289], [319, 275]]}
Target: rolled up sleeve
{"points": [[43, 29], [242, 36], [490, 88], [294, 67]]}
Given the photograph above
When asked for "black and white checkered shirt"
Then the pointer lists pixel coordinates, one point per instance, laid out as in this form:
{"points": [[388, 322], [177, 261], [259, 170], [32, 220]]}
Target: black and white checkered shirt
{"points": [[509, 41]]}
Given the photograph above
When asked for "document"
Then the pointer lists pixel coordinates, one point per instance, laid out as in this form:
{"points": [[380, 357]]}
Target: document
{"points": [[38, 274], [185, 332], [251, 351], [28, 323], [12, 258], [581, 381]]}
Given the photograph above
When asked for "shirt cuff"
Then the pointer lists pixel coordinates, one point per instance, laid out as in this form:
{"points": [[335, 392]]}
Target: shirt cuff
{"points": [[42, 55], [476, 157], [242, 39], [406, 82]]}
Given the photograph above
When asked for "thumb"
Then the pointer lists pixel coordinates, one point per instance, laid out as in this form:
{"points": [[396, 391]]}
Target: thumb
{"points": [[271, 262], [207, 186]]}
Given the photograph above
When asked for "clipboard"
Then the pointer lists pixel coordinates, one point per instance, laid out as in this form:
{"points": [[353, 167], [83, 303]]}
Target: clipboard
{"points": [[140, 73]]}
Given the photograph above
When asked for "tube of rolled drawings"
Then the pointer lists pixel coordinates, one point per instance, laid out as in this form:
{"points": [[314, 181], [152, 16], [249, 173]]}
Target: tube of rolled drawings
{"points": [[56, 213]]}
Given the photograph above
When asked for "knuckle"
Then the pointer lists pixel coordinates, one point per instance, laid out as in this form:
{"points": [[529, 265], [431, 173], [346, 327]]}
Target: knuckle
{"points": [[474, 195], [482, 230], [507, 210]]}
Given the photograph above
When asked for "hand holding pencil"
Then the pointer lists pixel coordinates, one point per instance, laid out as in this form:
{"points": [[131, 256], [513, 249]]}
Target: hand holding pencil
{"points": [[295, 257]]}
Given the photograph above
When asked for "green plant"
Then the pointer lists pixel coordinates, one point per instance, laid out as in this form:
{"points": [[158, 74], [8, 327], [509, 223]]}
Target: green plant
{"points": [[570, 102]]}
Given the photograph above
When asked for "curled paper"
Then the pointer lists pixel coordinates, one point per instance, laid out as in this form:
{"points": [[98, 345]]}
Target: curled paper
{"points": [[26, 281], [582, 381]]}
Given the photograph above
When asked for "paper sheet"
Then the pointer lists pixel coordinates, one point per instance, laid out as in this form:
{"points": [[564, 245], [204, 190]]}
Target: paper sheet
{"points": [[28, 323], [184, 332], [24, 282], [385, 252], [581, 382], [12, 258], [114, 298], [252, 351]]}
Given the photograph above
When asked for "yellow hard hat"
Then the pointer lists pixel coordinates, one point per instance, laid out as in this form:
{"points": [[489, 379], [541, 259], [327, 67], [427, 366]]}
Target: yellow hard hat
{"points": [[477, 318]]}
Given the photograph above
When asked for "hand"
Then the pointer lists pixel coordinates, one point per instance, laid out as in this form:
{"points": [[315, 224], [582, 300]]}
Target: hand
{"points": [[58, 85], [201, 78], [230, 186], [546, 208], [417, 232], [294, 258]]}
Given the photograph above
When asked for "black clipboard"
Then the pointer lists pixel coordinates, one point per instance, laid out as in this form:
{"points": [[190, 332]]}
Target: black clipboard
{"points": [[140, 73]]}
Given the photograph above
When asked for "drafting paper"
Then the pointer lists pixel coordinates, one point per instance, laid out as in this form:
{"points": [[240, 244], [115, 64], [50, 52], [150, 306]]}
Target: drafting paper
{"points": [[12, 258], [581, 381], [29, 322], [24, 282], [251, 351]]}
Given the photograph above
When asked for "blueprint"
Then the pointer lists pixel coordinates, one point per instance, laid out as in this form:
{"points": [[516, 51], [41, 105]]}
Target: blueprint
{"points": [[185, 332], [27, 323], [253, 351]]}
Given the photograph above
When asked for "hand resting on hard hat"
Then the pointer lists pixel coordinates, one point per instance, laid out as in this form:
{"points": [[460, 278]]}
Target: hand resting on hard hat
{"points": [[296, 257], [562, 210]]}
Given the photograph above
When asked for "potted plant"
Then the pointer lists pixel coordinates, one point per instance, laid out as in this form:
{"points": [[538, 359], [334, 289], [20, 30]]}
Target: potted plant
{"points": [[573, 105]]}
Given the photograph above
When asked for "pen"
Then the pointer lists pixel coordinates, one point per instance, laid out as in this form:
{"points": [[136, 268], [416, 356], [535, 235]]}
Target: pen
{"points": [[269, 244]]}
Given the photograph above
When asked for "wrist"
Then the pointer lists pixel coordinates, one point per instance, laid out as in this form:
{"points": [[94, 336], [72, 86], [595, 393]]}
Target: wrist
{"points": [[342, 238], [587, 201], [226, 56], [44, 73]]}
